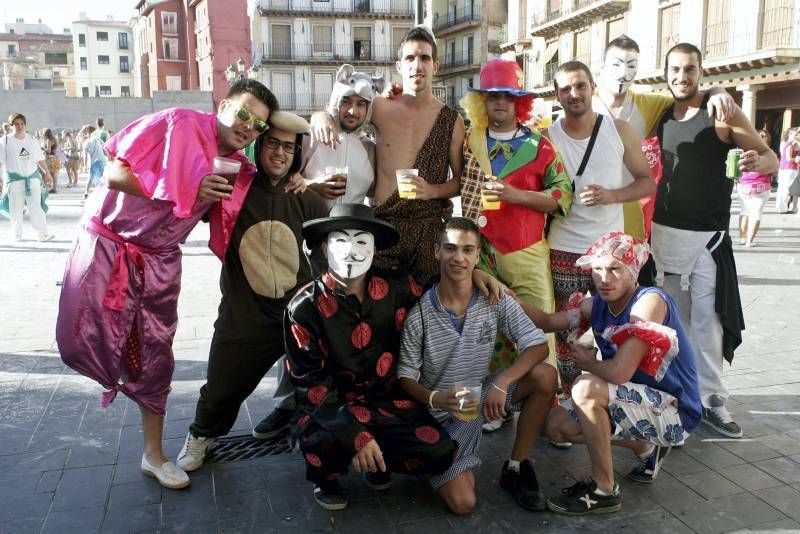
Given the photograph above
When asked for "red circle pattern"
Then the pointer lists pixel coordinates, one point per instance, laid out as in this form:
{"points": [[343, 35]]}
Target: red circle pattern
{"points": [[303, 421], [361, 335], [399, 318], [427, 434], [403, 404], [384, 364], [361, 414], [316, 394], [416, 289], [378, 288], [327, 305], [313, 459], [362, 439]]}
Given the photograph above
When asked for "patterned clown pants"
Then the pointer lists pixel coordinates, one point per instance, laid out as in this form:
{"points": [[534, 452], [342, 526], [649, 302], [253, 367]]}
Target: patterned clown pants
{"points": [[567, 279]]}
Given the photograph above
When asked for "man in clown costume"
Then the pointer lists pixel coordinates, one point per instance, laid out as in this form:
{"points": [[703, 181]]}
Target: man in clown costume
{"points": [[642, 394], [531, 185]]}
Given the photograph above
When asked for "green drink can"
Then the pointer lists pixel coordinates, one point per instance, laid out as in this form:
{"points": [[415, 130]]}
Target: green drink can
{"points": [[732, 169]]}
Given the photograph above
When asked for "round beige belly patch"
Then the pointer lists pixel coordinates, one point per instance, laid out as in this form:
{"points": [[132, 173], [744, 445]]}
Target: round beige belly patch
{"points": [[270, 258]]}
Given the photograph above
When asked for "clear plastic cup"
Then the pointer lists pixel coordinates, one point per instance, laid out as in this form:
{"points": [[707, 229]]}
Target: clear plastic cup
{"points": [[227, 168], [405, 188], [339, 173], [469, 400]]}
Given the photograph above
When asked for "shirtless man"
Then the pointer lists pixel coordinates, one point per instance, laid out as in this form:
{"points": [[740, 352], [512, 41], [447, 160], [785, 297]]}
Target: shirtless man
{"points": [[414, 130]]}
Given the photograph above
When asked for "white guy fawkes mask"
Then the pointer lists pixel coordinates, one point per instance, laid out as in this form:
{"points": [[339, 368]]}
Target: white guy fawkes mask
{"points": [[350, 252], [619, 70]]}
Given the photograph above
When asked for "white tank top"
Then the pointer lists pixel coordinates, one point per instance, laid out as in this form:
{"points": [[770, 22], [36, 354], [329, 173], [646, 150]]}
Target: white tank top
{"points": [[584, 224]]}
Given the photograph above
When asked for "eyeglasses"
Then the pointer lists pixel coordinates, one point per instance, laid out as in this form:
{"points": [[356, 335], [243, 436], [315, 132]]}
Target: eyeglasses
{"points": [[244, 115], [273, 144]]}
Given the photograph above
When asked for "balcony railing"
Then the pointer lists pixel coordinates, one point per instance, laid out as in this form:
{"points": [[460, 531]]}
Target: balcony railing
{"points": [[456, 16], [401, 8], [302, 103], [324, 52], [773, 28], [575, 14], [459, 58], [549, 74]]}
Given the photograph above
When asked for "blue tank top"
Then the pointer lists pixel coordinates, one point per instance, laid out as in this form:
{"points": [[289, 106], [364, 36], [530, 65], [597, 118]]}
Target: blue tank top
{"points": [[680, 380]]}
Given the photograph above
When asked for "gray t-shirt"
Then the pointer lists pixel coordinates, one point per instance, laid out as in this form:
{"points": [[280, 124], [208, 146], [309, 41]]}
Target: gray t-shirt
{"points": [[436, 355]]}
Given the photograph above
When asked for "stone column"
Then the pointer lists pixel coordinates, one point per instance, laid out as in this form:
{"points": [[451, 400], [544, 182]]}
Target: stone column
{"points": [[749, 100]]}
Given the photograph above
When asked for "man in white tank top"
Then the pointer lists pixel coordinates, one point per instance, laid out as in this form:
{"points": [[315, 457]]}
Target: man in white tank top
{"points": [[599, 189]]}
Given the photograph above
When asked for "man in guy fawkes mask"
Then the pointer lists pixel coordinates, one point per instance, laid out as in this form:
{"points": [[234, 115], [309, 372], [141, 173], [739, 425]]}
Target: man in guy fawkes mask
{"points": [[342, 336]]}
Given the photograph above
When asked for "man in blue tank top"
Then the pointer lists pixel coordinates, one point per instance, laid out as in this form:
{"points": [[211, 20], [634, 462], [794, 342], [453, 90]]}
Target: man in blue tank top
{"points": [[642, 394], [692, 250]]}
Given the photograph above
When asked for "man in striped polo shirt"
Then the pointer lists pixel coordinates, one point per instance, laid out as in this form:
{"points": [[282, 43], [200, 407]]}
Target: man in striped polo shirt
{"points": [[448, 340]]}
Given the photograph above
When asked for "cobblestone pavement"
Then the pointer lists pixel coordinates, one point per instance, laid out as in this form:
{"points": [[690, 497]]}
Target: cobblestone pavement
{"points": [[67, 465]]}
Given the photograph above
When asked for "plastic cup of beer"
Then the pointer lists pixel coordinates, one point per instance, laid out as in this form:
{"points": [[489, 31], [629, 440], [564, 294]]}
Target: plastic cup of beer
{"points": [[227, 168], [405, 187], [489, 200], [469, 400]]}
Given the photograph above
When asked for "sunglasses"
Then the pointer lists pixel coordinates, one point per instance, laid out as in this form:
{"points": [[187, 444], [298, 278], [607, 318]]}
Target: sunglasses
{"points": [[244, 115], [273, 144]]}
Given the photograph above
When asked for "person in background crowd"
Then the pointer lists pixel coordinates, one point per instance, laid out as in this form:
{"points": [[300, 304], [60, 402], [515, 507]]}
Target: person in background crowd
{"points": [[23, 165], [753, 189], [788, 170], [49, 147]]}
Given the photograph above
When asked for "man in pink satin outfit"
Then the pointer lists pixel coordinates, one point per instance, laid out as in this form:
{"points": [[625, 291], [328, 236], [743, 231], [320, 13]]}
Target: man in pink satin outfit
{"points": [[118, 307]]}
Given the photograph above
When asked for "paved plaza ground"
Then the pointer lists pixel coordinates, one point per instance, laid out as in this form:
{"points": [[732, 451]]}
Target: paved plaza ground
{"points": [[67, 465]]}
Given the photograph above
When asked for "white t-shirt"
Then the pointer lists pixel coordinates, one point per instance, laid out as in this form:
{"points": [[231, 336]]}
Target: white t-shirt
{"points": [[20, 155], [585, 224]]}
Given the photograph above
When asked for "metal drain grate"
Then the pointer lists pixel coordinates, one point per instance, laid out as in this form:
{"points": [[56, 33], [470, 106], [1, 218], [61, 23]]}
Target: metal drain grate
{"points": [[233, 448]]}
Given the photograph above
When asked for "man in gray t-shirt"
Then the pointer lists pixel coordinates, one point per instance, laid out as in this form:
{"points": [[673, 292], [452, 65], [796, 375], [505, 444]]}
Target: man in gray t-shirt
{"points": [[448, 340]]}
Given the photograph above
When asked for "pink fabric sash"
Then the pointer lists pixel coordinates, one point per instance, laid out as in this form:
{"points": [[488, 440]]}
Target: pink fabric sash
{"points": [[117, 289]]}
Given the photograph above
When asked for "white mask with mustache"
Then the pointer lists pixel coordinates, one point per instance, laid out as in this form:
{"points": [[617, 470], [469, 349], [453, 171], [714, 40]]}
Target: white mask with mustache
{"points": [[350, 252], [619, 70]]}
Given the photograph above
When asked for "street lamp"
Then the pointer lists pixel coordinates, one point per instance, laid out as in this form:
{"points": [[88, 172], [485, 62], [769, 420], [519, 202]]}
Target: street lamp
{"points": [[236, 71]]}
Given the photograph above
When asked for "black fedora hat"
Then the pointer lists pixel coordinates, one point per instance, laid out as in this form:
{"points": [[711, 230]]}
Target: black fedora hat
{"points": [[350, 216]]}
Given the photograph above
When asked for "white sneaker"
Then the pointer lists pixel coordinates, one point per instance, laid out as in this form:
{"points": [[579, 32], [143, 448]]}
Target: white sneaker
{"points": [[497, 424], [46, 237], [193, 452], [168, 475]]}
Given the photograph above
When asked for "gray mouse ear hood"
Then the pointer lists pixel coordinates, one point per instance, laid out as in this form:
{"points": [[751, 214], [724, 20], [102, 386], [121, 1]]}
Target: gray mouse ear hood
{"points": [[348, 83]]}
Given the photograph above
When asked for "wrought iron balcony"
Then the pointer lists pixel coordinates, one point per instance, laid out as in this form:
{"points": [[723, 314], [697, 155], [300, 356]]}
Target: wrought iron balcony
{"points": [[458, 58], [349, 8], [316, 53], [457, 16], [575, 14]]}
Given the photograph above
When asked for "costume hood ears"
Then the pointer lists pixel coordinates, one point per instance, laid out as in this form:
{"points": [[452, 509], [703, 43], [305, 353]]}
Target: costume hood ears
{"points": [[349, 82]]}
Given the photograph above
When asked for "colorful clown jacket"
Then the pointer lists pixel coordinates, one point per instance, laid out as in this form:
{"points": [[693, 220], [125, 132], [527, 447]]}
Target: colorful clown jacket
{"points": [[534, 166], [342, 355]]}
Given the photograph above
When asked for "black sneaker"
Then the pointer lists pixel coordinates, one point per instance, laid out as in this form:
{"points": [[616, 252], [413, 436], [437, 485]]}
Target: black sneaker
{"points": [[523, 486], [274, 424], [648, 467], [581, 499], [379, 480], [330, 495], [717, 417]]}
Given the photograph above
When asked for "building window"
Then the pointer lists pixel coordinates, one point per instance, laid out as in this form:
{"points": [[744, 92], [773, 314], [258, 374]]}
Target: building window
{"points": [[322, 39], [583, 46], [778, 24], [170, 48], [83, 65], [169, 22], [122, 39], [102, 36], [174, 83], [105, 90], [125, 90], [553, 8], [283, 89], [670, 18], [103, 60], [55, 58], [615, 28], [85, 92], [123, 64], [397, 36], [82, 42], [362, 43], [281, 42]]}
